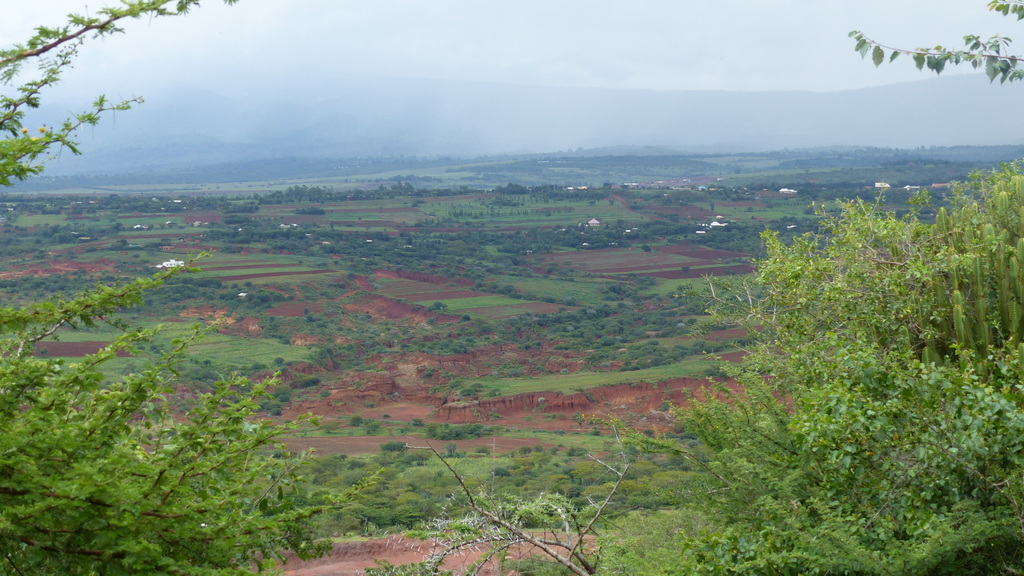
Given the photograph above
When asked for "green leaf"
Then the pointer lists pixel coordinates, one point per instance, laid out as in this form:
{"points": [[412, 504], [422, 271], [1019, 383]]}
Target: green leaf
{"points": [[936, 63], [992, 68], [919, 59], [863, 46], [878, 56]]}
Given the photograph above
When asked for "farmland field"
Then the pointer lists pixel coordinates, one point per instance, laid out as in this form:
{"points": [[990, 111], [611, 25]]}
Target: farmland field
{"points": [[513, 329], [413, 303]]}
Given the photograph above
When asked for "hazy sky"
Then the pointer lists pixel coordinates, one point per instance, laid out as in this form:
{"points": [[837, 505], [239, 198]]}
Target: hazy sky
{"points": [[640, 44]]}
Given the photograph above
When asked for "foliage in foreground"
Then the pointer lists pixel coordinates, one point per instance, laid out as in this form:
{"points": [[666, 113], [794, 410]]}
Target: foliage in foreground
{"points": [[991, 54], [881, 428], [103, 479]]}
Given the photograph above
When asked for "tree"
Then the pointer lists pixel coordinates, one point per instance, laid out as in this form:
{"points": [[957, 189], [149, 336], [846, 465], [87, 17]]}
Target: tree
{"points": [[880, 428], [101, 477], [104, 478], [992, 53]]}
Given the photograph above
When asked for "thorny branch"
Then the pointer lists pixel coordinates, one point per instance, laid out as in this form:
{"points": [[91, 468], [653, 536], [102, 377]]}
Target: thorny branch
{"points": [[568, 552]]}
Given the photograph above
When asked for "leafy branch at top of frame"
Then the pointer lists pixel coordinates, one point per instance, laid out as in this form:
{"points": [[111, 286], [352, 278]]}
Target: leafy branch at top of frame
{"points": [[54, 49], [992, 54], [106, 22]]}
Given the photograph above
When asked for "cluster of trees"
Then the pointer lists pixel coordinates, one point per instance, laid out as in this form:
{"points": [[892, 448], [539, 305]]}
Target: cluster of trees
{"points": [[876, 434]]}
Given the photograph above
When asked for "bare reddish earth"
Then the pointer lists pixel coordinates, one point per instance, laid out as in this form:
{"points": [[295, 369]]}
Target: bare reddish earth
{"points": [[424, 277], [193, 217], [727, 334], [700, 252], [388, 309], [641, 403], [60, 267], [380, 396], [352, 558], [412, 386]]}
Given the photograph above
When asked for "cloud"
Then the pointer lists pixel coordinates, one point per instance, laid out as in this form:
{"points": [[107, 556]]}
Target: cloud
{"points": [[641, 44]]}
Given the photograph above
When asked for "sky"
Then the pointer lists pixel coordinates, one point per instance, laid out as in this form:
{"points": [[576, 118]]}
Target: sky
{"points": [[746, 45]]}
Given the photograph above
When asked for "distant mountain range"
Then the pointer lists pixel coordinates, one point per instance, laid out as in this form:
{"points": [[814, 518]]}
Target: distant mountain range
{"points": [[305, 116]]}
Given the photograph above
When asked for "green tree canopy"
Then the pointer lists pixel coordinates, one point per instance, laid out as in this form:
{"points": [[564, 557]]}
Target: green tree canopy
{"points": [[880, 427], [105, 478]]}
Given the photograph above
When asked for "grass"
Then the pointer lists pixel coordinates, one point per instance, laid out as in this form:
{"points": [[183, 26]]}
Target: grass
{"points": [[693, 367], [495, 312], [460, 304], [232, 351], [244, 271], [583, 291], [30, 220]]}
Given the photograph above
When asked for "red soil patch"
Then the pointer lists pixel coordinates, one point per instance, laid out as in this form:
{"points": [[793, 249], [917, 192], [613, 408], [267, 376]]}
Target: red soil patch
{"points": [[727, 334], [424, 277], [306, 340], [205, 311], [247, 326], [385, 308], [193, 217], [72, 349], [640, 405], [532, 409], [60, 267], [700, 252], [352, 558], [363, 282]]}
